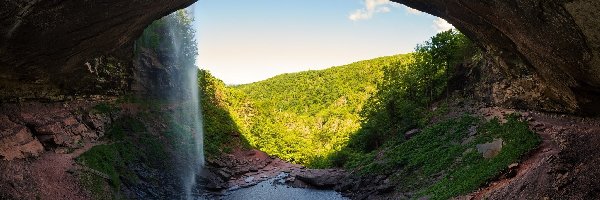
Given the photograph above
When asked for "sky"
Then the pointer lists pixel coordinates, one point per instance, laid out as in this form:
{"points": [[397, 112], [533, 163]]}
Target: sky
{"points": [[244, 41]]}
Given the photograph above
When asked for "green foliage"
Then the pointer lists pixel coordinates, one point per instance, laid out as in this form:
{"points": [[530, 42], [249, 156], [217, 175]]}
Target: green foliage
{"points": [[474, 170], [105, 108], [303, 117], [441, 161], [150, 38], [356, 115], [407, 89], [218, 101], [133, 144]]}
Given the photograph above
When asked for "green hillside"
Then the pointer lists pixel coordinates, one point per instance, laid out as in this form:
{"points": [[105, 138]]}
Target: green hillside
{"points": [[355, 116], [302, 116], [297, 116], [307, 117]]}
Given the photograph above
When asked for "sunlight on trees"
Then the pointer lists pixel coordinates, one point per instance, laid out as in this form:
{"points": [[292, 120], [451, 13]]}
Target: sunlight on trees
{"points": [[307, 117]]}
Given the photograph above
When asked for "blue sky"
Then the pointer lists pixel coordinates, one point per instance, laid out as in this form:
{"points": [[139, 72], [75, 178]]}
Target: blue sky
{"points": [[243, 41]]}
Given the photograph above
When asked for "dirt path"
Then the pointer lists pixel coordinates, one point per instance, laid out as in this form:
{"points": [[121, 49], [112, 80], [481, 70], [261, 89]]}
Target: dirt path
{"points": [[564, 165], [54, 178]]}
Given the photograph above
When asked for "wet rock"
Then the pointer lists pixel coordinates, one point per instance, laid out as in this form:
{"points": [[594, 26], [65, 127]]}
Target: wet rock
{"points": [[365, 187], [224, 173], [215, 162], [385, 188], [208, 180], [249, 179], [253, 169], [321, 178]]}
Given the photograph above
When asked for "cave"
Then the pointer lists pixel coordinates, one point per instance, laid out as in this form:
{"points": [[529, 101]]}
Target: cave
{"points": [[555, 43], [548, 51]]}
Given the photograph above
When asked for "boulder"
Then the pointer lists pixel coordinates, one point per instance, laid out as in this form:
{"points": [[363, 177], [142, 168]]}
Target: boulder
{"points": [[321, 178], [490, 149], [208, 180], [16, 141], [411, 133]]}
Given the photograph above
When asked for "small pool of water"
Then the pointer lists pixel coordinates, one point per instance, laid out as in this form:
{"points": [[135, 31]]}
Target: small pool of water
{"points": [[276, 189]]}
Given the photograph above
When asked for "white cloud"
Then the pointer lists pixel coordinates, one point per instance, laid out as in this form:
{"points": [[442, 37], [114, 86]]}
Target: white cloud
{"points": [[371, 7], [360, 14], [384, 9], [441, 25], [413, 11]]}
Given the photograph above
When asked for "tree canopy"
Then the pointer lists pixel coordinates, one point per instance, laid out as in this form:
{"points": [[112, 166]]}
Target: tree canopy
{"points": [[307, 117]]}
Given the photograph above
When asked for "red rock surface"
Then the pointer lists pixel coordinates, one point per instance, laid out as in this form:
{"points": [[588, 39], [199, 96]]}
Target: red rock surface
{"points": [[35, 141]]}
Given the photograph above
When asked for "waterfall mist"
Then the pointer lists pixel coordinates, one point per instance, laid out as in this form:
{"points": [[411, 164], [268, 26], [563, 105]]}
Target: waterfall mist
{"points": [[178, 48]]}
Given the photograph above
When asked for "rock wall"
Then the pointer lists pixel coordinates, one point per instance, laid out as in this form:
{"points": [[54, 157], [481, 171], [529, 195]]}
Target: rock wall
{"points": [[46, 45], [488, 84], [556, 41], [154, 76], [28, 129], [57, 50], [38, 144]]}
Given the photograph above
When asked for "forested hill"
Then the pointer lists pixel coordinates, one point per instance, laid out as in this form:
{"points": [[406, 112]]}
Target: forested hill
{"points": [[303, 117], [312, 92], [357, 116]]}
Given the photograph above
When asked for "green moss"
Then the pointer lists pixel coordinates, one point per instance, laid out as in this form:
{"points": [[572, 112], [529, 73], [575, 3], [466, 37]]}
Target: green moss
{"points": [[438, 163], [105, 108], [475, 170], [129, 143]]}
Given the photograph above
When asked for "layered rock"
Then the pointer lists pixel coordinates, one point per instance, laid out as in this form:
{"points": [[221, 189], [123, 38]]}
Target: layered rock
{"points": [[26, 130], [16, 141], [59, 50]]}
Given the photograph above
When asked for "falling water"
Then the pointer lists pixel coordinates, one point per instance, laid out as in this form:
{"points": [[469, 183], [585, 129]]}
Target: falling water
{"points": [[185, 98], [196, 153]]}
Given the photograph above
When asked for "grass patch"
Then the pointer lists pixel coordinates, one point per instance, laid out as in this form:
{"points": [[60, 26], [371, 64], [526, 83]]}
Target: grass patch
{"points": [[442, 161], [474, 170], [131, 143]]}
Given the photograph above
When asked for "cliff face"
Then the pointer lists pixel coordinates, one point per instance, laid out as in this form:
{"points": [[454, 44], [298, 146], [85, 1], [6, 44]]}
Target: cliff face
{"points": [[554, 43], [59, 49]]}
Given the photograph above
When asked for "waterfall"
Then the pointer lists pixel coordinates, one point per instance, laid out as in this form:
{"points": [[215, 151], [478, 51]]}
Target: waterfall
{"points": [[184, 96], [195, 153]]}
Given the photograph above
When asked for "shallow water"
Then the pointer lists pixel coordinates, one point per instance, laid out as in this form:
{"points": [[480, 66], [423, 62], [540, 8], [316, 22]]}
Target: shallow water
{"points": [[276, 189], [273, 190]]}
